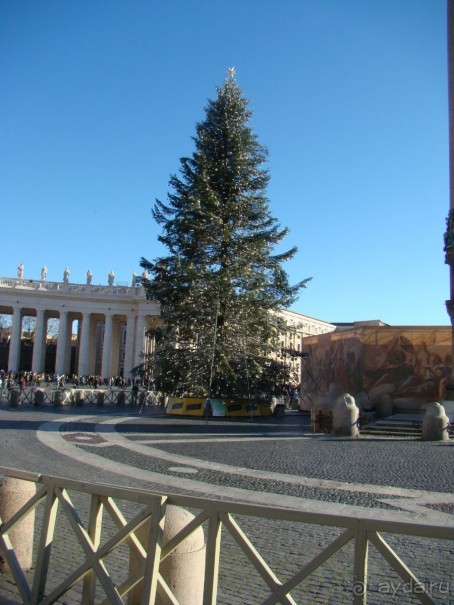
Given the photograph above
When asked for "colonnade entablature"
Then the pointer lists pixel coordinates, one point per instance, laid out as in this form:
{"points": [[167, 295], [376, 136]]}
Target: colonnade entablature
{"points": [[68, 288], [110, 337]]}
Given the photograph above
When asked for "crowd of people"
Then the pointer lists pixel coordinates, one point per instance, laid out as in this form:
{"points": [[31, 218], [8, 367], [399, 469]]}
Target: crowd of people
{"points": [[23, 379]]}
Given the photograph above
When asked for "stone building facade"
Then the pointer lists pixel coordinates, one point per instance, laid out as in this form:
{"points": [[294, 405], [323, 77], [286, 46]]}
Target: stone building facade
{"points": [[106, 324]]}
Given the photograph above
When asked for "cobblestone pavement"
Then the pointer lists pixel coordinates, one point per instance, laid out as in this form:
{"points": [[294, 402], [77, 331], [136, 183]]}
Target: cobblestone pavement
{"points": [[260, 460]]}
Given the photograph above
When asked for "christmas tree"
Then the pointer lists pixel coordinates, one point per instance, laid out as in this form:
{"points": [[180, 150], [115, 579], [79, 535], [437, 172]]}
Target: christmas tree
{"points": [[220, 287]]}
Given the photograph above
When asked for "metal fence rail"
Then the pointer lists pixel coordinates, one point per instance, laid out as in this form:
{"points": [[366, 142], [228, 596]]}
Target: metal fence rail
{"points": [[47, 396], [62, 498]]}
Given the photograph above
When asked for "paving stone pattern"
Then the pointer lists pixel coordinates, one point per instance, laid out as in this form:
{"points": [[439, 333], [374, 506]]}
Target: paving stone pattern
{"points": [[157, 465], [285, 546]]}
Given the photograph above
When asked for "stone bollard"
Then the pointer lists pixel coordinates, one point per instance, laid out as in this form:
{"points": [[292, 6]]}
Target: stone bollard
{"points": [[80, 398], [184, 569], [345, 417], [39, 398], [435, 423], [142, 398], [58, 398], [14, 493], [15, 398], [100, 398], [121, 398]]}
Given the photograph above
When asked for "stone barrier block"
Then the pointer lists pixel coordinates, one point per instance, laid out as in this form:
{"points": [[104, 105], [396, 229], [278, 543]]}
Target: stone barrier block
{"points": [[39, 398], [184, 568], [15, 398], [345, 417], [435, 423], [14, 493], [57, 397]]}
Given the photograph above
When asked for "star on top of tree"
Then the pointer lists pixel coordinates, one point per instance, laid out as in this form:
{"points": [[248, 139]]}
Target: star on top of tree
{"points": [[231, 72]]}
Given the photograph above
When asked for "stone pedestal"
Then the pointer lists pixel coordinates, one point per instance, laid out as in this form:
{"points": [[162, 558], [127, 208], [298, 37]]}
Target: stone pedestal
{"points": [[345, 417], [435, 423], [58, 397], [39, 398], [184, 569], [14, 493], [15, 398]]}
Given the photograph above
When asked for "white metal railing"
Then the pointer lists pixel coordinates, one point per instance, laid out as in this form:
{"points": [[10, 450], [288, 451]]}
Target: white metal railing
{"points": [[58, 497], [84, 396]]}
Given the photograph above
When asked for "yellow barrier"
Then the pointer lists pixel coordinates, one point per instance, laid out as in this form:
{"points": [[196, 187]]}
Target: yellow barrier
{"points": [[265, 410], [186, 406], [195, 406], [241, 408]]}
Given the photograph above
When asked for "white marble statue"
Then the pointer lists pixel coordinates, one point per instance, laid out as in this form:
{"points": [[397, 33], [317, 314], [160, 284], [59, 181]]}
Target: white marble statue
{"points": [[20, 271], [110, 278], [89, 276], [44, 273], [66, 275]]}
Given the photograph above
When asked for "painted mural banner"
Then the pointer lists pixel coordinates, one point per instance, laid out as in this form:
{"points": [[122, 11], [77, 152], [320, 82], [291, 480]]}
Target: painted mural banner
{"points": [[409, 366]]}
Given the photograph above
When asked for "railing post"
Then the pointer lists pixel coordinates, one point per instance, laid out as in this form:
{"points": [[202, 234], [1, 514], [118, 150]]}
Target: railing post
{"points": [[14, 493], [94, 531], [360, 566], [210, 588], [45, 544], [182, 569]]}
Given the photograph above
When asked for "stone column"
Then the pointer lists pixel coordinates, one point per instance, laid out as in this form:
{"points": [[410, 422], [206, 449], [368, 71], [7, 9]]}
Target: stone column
{"points": [[15, 493], [39, 343], [449, 235], [84, 349], [115, 347], [129, 344], [15, 341], [69, 335], [183, 570], [60, 362], [139, 340], [107, 347]]}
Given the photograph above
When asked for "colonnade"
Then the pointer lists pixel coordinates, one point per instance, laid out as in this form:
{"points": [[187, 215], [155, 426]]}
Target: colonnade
{"points": [[108, 345], [109, 339]]}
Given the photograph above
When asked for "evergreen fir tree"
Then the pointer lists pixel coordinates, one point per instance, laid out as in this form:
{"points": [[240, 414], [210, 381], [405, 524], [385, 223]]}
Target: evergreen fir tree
{"points": [[220, 287]]}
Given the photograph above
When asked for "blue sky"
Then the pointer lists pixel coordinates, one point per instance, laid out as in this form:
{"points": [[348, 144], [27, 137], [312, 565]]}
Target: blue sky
{"points": [[99, 100]]}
